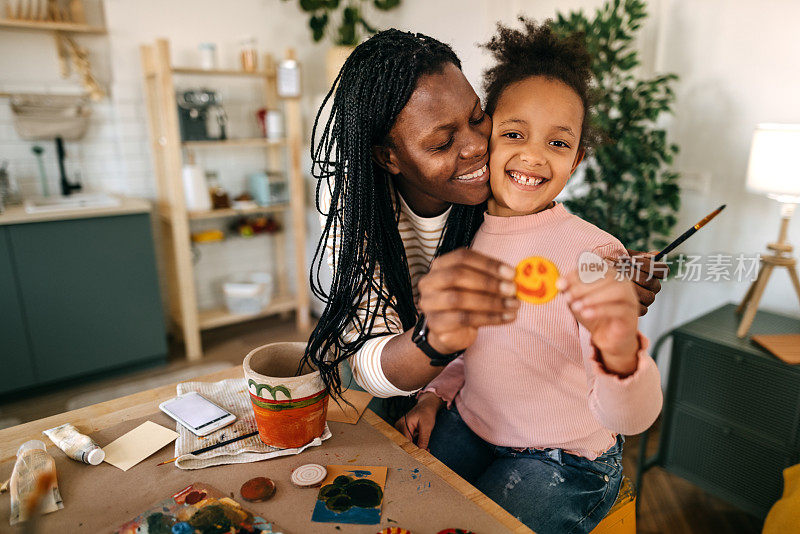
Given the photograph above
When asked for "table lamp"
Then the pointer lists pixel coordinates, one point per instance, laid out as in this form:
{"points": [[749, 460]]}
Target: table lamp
{"points": [[773, 170]]}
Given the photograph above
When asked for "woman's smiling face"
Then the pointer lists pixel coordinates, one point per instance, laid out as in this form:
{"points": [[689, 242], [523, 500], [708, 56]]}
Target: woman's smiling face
{"points": [[534, 145], [439, 144]]}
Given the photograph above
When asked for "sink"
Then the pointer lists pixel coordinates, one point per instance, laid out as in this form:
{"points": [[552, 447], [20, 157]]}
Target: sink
{"points": [[70, 203]]}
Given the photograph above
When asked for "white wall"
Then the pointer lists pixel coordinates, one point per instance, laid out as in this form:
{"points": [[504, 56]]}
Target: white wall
{"points": [[737, 61], [738, 66]]}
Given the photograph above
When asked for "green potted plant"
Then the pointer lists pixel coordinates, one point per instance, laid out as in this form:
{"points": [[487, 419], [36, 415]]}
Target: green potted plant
{"points": [[627, 188], [344, 23]]}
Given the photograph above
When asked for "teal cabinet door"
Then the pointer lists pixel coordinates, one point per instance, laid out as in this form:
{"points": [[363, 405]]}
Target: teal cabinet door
{"points": [[91, 294], [15, 354]]}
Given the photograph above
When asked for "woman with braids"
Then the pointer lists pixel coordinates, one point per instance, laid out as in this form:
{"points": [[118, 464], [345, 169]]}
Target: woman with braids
{"points": [[402, 167]]}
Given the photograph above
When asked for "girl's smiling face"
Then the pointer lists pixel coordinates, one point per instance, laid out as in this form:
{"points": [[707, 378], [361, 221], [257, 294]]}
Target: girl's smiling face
{"points": [[534, 146]]}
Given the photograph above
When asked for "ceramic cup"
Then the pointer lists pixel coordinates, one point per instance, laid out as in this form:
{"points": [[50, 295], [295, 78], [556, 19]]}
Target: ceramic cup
{"points": [[290, 410]]}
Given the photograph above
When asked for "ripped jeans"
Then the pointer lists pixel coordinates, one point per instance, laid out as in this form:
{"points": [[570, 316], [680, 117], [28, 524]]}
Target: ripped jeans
{"points": [[551, 491]]}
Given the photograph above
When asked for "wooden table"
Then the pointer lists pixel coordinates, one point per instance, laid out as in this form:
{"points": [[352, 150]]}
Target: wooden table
{"points": [[100, 417]]}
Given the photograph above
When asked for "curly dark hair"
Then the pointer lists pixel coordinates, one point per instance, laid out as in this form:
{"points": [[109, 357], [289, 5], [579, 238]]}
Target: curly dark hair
{"points": [[536, 50]]}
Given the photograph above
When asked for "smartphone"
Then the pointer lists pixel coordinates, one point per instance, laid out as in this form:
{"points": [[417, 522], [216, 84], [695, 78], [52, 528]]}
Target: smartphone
{"points": [[197, 413]]}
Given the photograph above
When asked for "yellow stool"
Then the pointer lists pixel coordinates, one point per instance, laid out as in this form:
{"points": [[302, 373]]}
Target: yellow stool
{"points": [[621, 519]]}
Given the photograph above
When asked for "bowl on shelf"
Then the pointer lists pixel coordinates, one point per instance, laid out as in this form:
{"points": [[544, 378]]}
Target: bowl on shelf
{"points": [[248, 294]]}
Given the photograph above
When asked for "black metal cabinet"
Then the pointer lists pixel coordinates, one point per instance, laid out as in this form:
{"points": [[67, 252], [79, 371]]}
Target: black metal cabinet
{"points": [[731, 418]]}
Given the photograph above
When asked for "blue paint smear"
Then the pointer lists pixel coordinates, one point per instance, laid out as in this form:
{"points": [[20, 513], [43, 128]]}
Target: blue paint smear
{"points": [[354, 516], [360, 473]]}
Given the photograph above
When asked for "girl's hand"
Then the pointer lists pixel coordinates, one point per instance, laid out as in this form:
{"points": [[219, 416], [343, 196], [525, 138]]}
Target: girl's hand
{"points": [[463, 291], [418, 423], [609, 309]]}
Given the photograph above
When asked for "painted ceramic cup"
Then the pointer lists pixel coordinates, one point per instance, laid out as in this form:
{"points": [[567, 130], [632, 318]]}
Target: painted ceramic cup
{"points": [[290, 409]]}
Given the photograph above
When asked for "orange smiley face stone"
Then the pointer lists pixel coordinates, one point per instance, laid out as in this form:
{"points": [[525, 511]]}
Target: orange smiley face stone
{"points": [[536, 280]]}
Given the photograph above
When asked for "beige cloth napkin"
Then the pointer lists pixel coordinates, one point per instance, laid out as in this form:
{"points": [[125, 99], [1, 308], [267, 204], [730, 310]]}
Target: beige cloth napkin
{"points": [[232, 395]]}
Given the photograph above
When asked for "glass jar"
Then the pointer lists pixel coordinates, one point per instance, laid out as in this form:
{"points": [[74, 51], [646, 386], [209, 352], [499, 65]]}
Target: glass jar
{"points": [[248, 54], [208, 56]]}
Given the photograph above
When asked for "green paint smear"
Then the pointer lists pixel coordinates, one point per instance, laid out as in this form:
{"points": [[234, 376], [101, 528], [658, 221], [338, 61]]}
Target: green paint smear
{"points": [[331, 490], [272, 390], [364, 493], [289, 405], [344, 493], [159, 523], [342, 480], [211, 519], [339, 503]]}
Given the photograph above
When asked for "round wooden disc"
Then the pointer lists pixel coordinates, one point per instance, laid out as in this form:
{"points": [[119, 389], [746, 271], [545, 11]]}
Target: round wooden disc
{"points": [[258, 489], [309, 475]]}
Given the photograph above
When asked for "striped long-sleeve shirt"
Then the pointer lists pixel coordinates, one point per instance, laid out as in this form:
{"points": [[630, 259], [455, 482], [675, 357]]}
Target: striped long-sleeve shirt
{"points": [[420, 236]]}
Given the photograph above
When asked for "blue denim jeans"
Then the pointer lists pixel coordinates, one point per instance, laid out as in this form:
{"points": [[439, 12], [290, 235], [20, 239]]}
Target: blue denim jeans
{"points": [[549, 490]]}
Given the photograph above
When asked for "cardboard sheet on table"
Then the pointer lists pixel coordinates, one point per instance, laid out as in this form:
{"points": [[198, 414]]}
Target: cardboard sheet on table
{"points": [[344, 413], [100, 498], [138, 444]]}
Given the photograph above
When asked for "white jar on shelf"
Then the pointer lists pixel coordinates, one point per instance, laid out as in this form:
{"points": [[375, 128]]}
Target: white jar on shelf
{"points": [[208, 56]]}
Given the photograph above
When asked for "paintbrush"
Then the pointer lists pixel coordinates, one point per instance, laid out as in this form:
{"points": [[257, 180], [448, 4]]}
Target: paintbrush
{"points": [[215, 446], [688, 233]]}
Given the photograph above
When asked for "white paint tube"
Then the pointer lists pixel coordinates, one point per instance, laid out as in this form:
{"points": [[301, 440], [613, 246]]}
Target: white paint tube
{"points": [[28, 495], [76, 445]]}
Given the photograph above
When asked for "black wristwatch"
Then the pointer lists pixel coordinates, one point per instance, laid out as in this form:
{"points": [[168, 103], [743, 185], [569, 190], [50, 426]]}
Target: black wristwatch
{"points": [[420, 339]]}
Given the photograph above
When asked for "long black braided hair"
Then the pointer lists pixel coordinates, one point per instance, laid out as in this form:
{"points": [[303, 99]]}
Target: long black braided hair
{"points": [[371, 89]]}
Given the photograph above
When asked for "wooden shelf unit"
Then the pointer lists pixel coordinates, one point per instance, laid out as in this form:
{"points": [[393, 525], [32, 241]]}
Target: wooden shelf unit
{"points": [[233, 212], [257, 142], [222, 317], [49, 26], [174, 219], [222, 72]]}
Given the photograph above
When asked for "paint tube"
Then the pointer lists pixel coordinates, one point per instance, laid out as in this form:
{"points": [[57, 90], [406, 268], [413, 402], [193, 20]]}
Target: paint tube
{"points": [[34, 488], [76, 445]]}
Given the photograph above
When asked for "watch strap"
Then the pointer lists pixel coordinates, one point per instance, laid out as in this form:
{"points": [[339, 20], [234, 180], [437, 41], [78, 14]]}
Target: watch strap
{"points": [[420, 339]]}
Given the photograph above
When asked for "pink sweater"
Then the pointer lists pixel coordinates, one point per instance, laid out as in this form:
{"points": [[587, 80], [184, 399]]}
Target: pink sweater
{"points": [[538, 381]]}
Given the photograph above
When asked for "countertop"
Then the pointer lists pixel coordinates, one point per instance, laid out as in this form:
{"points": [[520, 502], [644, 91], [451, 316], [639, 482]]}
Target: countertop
{"points": [[18, 215]]}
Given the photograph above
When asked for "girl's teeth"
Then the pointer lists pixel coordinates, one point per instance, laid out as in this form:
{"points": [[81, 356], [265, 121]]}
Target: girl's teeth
{"points": [[524, 180], [472, 175]]}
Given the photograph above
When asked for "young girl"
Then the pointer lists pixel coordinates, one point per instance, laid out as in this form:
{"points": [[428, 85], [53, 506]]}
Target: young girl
{"points": [[537, 408]]}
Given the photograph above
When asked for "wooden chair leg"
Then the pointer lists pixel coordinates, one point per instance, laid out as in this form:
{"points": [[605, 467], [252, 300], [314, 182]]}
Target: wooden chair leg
{"points": [[795, 280], [743, 305], [755, 298]]}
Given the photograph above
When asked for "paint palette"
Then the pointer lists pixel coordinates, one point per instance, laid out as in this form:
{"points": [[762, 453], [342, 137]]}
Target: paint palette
{"points": [[197, 508], [351, 494]]}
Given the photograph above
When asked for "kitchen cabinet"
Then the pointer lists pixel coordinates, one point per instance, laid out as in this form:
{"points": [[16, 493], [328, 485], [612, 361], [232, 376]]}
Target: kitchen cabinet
{"points": [[87, 298], [16, 360]]}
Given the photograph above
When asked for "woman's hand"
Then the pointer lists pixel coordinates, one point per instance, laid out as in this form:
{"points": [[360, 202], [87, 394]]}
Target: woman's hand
{"points": [[418, 423], [608, 308], [647, 276], [462, 291]]}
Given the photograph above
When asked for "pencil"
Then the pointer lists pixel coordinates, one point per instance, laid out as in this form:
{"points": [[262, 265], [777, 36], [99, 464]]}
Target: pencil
{"points": [[215, 446], [688, 233]]}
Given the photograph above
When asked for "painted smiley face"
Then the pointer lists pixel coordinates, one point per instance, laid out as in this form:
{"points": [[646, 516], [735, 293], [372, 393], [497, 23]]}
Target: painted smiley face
{"points": [[536, 280]]}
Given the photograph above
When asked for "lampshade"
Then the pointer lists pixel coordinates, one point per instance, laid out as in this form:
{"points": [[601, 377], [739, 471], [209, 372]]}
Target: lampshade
{"points": [[774, 168]]}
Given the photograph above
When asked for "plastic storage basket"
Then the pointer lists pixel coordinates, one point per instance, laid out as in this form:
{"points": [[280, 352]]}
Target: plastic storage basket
{"points": [[248, 294]]}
